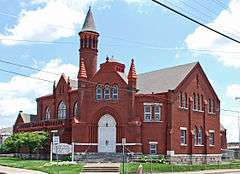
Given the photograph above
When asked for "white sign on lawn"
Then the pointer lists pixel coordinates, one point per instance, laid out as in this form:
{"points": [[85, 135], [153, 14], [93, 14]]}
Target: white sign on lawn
{"points": [[62, 149]]}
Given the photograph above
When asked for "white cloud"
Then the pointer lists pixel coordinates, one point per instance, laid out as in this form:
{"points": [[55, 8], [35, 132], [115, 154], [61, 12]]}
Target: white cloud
{"points": [[53, 19], [19, 93], [227, 20], [233, 90]]}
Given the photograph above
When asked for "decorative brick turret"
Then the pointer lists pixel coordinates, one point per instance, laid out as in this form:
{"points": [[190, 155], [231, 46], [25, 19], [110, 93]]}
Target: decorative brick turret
{"points": [[89, 45], [132, 76]]}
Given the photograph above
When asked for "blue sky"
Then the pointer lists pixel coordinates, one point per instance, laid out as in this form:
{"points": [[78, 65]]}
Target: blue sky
{"points": [[155, 37]]}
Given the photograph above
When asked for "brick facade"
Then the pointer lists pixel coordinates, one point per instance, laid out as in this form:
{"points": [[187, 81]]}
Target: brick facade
{"points": [[162, 131]]}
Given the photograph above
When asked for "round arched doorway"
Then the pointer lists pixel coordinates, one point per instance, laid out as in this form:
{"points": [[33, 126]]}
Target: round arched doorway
{"points": [[107, 134]]}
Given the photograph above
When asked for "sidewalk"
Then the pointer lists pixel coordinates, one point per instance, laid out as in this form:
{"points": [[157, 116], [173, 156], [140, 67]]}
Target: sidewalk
{"points": [[218, 171], [10, 170]]}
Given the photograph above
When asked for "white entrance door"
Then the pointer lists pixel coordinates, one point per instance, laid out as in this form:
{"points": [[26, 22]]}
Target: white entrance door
{"points": [[107, 134]]}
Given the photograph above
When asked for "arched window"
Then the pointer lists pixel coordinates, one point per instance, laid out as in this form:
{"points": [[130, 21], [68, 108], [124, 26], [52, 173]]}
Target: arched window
{"points": [[200, 136], [202, 104], [194, 101], [107, 92], [98, 92], [76, 110], [48, 114], [62, 110], [195, 136], [115, 92]]}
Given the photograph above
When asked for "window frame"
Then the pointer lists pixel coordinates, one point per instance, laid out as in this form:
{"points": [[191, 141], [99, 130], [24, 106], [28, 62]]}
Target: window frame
{"points": [[99, 92], [47, 114], [183, 136], [157, 114], [194, 102], [76, 109], [195, 137], [200, 136], [147, 113], [62, 111], [211, 139], [115, 94], [153, 148], [107, 88]]}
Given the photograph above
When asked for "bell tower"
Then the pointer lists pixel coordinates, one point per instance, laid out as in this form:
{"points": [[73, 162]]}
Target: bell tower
{"points": [[89, 45]]}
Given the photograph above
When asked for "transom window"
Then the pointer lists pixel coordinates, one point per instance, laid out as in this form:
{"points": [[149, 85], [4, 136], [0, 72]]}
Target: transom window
{"points": [[62, 110], [183, 136], [115, 92], [76, 111], [48, 114], [99, 92]]}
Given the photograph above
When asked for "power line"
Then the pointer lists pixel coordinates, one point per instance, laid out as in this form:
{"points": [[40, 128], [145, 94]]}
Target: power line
{"points": [[195, 21], [24, 75], [28, 67]]}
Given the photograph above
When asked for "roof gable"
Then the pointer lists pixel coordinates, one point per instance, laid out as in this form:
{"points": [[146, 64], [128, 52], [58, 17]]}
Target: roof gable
{"points": [[163, 80]]}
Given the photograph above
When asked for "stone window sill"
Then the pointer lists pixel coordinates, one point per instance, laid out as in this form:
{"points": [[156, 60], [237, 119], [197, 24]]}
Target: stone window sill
{"points": [[199, 145], [184, 145], [194, 110], [183, 108], [149, 121], [211, 145], [211, 113]]}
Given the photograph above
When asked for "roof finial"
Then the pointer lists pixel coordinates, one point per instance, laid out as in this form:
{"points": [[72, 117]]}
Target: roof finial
{"points": [[107, 59]]}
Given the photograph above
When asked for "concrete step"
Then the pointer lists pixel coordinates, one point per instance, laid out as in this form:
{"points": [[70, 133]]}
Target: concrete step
{"points": [[101, 168]]}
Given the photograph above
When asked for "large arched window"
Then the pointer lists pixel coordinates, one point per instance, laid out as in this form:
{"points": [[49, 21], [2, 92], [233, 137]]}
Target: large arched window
{"points": [[200, 136], [48, 114], [76, 110], [115, 92], [194, 102], [98, 92], [107, 92], [62, 110]]}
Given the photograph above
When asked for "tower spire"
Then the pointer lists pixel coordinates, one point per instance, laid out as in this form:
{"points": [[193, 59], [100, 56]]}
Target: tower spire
{"points": [[89, 24]]}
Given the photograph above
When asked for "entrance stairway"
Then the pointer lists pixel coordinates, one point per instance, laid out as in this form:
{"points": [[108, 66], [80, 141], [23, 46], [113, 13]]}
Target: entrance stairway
{"points": [[113, 168]]}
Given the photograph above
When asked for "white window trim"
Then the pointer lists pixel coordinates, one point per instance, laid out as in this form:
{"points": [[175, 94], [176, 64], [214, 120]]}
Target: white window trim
{"points": [[150, 112], [183, 128], [153, 104], [153, 149], [212, 131]]}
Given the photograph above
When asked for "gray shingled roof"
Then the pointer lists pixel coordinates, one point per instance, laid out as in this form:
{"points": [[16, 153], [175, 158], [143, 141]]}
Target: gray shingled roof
{"points": [[89, 24], [163, 80], [74, 84], [27, 118]]}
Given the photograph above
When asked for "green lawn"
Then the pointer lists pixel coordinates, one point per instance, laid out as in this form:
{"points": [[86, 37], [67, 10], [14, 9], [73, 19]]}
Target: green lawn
{"points": [[41, 165]]}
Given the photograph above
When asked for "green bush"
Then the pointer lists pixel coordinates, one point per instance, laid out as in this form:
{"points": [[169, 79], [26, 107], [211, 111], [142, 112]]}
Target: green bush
{"points": [[33, 141], [3, 149], [152, 158]]}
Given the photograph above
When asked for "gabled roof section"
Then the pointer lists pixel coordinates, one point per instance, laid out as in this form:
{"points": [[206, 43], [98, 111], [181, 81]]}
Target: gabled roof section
{"points": [[163, 80], [28, 118], [89, 24]]}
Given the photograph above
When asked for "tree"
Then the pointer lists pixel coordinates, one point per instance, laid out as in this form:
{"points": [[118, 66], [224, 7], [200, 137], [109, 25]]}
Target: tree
{"points": [[33, 141]]}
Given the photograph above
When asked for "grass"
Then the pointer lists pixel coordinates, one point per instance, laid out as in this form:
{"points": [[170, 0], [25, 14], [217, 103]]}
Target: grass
{"points": [[132, 167], [40, 165]]}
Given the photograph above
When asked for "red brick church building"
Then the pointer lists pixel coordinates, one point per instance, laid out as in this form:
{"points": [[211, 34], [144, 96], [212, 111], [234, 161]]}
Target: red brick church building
{"points": [[173, 111]]}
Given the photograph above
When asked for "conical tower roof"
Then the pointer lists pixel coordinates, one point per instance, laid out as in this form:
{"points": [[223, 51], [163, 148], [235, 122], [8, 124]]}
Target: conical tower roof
{"points": [[132, 75], [89, 24]]}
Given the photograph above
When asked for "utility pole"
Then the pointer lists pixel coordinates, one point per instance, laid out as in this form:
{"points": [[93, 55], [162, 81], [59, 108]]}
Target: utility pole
{"points": [[238, 99]]}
